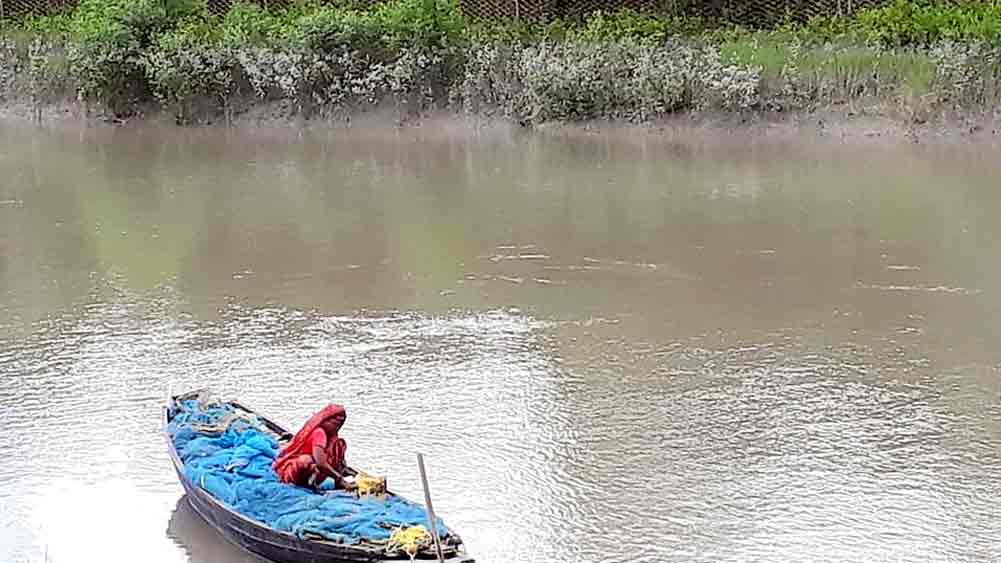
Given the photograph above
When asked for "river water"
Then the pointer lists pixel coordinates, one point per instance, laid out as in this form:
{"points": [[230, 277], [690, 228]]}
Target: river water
{"points": [[611, 348]]}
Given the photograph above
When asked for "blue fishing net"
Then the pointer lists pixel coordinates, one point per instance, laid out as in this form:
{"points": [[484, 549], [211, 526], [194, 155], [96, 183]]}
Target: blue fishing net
{"points": [[231, 459]]}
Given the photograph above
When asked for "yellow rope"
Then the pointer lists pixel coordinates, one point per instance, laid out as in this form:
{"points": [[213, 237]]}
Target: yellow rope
{"points": [[410, 540], [370, 486]]}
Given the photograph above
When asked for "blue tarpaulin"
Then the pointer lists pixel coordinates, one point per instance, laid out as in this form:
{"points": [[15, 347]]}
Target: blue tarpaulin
{"points": [[231, 459]]}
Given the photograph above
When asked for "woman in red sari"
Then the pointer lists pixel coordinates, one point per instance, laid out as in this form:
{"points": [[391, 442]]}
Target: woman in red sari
{"points": [[316, 452]]}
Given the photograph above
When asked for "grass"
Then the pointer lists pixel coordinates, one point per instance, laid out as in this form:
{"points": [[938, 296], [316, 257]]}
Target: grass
{"points": [[835, 70]]}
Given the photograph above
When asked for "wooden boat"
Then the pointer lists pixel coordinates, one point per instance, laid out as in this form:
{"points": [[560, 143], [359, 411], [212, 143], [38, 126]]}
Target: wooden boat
{"points": [[275, 545]]}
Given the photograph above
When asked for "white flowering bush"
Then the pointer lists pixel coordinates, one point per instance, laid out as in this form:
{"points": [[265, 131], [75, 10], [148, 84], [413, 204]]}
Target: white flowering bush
{"points": [[967, 74], [422, 74], [344, 78], [490, 81], [723, 86], [568, 81], [48, 71], [574, 80], [13, 55], [182, 71], [36, 68], [272, 73]]}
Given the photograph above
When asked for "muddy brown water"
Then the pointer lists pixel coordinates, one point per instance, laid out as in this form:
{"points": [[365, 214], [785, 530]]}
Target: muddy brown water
{"points": [[623, 349]]}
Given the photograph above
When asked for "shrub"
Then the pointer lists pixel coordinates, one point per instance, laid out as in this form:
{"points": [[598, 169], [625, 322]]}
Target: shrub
{"points": [[54, 25], [388, 28], [247, 24], [599, 26], [338, 30], [111, 39], [584, 80], [188, 64], [426, 25], [967, 75], [927, 22], [632, 25]]}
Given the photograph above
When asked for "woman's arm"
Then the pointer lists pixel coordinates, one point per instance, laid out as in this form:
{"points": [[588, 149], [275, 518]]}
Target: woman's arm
{"points": [[320, 458]]}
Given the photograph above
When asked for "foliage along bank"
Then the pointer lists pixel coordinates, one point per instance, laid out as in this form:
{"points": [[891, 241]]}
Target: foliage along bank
{"points": [[913, 58]]}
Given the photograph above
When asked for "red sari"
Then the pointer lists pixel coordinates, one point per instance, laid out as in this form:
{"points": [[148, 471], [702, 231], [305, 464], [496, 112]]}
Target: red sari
{"points": [[295, 464]]}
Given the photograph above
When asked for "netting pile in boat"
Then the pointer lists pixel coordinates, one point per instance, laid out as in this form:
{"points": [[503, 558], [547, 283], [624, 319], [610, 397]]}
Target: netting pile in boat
{"points": [[229, 454]]}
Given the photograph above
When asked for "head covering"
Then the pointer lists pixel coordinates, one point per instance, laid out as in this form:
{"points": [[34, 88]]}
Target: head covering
{"points": [[330, 412]]}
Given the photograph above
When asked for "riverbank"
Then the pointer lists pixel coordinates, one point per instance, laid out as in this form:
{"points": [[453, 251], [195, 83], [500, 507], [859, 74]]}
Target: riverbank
{"points": [[406, 60], [718, 129]]}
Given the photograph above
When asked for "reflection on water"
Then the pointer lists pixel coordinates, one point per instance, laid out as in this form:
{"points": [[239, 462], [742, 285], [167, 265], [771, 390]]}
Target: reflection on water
{"points": [[200, 542], [610, 351]]}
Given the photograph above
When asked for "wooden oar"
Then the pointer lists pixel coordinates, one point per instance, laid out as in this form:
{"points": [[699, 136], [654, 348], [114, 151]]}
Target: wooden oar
{"points": [[427, 500]]}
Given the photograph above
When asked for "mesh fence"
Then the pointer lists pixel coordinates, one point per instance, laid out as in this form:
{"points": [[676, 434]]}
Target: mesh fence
{"points": [[11, 8], [747, 12]]}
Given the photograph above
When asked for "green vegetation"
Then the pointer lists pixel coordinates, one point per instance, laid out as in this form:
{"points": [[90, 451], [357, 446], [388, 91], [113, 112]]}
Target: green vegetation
{"points": [[126, 55], [923, 22]]}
